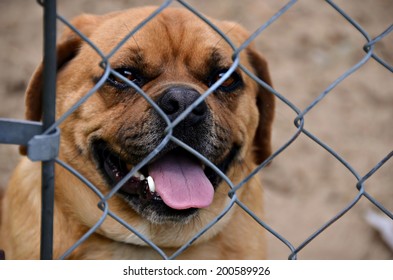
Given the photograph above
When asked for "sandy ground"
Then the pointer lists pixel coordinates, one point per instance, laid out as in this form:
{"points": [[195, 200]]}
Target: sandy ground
{"points": [[308, 48]]}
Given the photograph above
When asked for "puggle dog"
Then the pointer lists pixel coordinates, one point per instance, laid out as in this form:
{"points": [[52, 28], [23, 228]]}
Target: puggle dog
{"points": [[174, 59]]}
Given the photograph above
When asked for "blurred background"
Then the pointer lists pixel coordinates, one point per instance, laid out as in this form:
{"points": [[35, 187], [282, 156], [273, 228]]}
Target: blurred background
{"points": [[307, 48]]}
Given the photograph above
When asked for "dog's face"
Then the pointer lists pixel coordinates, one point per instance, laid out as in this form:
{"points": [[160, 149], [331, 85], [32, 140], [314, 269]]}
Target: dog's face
{"points": [[174, 59]]}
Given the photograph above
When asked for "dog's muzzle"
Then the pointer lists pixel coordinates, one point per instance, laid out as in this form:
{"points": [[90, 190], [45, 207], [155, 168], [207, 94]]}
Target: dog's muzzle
{"points": [[175, 183]]}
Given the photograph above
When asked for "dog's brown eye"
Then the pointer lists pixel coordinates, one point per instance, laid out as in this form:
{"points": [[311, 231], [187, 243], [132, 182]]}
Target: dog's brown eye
{"points": [[129, 75], [126, 73], [228, 82], [231, 83]]}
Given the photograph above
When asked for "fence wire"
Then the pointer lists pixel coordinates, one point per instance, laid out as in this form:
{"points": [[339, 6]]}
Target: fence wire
{"points": [[30, 130]]}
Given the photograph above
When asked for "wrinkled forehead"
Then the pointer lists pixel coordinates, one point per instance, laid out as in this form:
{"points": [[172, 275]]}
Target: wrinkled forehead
{"points": [[173, 35]]}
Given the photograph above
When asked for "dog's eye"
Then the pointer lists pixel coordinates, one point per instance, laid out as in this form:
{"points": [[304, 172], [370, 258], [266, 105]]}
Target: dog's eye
{"points": [[126, 73], [231, 83]]}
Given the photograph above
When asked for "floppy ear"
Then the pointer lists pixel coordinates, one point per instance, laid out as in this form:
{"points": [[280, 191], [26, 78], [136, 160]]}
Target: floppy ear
{"points": [[67, 49], [265, 103]]}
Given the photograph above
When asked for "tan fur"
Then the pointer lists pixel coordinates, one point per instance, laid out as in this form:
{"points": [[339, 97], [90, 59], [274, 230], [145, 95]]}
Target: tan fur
{"points": [[181, 42]]}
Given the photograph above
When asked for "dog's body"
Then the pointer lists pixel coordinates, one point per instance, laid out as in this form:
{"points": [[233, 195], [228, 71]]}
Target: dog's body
{"points": [[174, 59]]}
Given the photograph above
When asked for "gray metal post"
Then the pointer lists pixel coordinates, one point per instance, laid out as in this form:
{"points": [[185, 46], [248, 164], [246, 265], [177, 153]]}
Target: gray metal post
{"points": [[48, 118]]}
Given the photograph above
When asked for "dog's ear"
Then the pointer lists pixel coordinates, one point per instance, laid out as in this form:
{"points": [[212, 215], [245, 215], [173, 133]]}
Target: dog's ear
{"points": [[265, 102], [67, 49]]}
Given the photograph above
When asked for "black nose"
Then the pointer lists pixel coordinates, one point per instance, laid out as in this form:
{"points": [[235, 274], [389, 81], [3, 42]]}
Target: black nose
{"points": [[176, 100]]}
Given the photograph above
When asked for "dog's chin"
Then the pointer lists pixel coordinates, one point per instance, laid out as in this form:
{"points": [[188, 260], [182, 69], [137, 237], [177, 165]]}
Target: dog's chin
{"points": [[142, 194]]}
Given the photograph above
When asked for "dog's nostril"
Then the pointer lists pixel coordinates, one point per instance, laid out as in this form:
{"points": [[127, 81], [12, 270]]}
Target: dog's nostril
{"points": [[176, 100], [170, 106], [200, 110]]}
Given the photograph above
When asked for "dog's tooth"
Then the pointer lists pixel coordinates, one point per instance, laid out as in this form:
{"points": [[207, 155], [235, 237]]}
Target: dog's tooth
{"points": [[152, 185], [138, 175]]}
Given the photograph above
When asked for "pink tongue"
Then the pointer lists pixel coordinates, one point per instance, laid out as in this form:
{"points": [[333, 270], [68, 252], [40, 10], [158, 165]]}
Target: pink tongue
{"points": [[181, 182]]}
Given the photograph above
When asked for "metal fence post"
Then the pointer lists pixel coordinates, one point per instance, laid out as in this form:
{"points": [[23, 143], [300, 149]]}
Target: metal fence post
{"points": [[48, 118]]}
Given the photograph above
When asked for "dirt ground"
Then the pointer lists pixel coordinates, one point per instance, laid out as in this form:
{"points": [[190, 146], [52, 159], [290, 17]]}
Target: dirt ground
{"points": [[308, 48]]}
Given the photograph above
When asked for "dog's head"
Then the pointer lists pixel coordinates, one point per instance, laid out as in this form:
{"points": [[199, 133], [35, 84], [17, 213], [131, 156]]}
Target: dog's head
{"points": [[174, 59]]}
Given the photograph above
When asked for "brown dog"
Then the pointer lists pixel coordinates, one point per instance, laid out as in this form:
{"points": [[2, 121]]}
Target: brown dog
{"points": [[175, 58]]}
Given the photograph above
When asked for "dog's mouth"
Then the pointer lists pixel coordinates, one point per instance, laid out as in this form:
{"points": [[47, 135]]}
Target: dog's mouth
{"points": [[175, 182]]}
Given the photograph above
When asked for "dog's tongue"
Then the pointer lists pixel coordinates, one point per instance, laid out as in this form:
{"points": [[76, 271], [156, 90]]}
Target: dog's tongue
{"points": [[181, 182]]}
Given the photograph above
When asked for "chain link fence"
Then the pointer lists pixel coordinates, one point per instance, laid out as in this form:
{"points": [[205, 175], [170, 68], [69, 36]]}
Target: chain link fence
{"points": [[39, 136]]}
